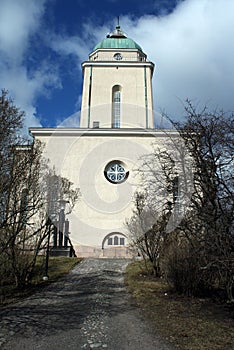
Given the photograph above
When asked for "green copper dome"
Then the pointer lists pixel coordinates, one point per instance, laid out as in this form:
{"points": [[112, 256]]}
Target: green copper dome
{"points": [[117, 40]]}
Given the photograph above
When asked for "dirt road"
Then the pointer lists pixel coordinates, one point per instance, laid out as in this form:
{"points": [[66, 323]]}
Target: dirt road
{"points": [[90, 308]]}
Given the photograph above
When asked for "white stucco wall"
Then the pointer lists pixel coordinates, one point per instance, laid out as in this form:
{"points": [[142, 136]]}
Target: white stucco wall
{"points": [[81, 156]]}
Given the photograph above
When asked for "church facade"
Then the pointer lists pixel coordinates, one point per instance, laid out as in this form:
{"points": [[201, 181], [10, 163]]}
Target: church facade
{"points": [[101, 156]]}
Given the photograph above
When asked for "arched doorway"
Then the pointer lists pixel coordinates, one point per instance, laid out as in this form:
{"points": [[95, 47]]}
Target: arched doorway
{"points": [[115, 245]]}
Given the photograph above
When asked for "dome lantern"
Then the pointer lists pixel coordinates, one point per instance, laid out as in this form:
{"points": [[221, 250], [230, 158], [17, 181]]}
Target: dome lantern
{"points": [[117, 39]]}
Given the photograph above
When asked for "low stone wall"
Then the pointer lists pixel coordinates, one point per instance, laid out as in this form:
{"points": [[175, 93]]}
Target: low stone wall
{"points": [[97, 252]]}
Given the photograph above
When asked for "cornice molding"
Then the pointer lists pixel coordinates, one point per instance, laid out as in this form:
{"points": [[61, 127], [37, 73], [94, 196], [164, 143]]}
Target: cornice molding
{"points": [[118, 63], [85, 132]]}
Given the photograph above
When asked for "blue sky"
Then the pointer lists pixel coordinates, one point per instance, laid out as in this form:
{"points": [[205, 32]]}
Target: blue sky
{"points": [[43, 43]]}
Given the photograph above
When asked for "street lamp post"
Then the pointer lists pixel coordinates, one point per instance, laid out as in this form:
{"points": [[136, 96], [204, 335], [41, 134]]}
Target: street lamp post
{"points": [[46, 276]]}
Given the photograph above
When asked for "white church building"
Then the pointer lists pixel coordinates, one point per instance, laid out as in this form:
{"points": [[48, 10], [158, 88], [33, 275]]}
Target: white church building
{"points": [[101, 155]]}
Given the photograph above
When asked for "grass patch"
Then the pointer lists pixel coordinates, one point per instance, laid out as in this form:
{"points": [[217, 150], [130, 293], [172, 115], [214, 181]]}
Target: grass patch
{"points": [[189, 323], [58, 267]]}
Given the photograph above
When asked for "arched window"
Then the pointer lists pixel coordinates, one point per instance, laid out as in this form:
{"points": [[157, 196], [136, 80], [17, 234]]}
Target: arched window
{"points": [[116, 104], [121, 241], [114, 239]]}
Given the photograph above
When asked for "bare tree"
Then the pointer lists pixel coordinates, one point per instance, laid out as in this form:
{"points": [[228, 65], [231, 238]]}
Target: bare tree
{"points": [[194, 171], [148, 231], [34, 190], [27, 196], [10, 123], [209, 137], [153, 217]]}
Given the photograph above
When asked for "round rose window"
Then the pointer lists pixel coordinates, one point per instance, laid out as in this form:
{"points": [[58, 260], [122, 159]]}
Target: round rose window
{"points": [[116, 172]]}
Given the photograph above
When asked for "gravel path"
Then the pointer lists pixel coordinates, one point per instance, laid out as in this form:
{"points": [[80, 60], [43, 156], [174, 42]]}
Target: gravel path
{"points": [[90, 308]]}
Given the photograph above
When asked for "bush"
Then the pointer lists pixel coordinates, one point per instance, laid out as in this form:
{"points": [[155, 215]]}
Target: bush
{"points": [[6, 271], [182, 268]]}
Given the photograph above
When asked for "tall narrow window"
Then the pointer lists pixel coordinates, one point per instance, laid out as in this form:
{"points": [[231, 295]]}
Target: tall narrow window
{"points": [[116, 104]]}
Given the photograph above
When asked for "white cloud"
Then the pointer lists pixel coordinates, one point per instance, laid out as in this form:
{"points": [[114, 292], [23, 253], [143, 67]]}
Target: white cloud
{"points": [[19, 20], [80, 45], [70, 46], [193, 49], [26, 88]]}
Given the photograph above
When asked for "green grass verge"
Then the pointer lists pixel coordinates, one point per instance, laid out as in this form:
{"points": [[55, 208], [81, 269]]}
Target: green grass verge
{"points": [[189, 323], [58, 267]]}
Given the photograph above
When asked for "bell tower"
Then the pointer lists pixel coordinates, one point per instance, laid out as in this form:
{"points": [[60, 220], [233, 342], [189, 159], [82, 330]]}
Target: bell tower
{"points": [[117, 85]]}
